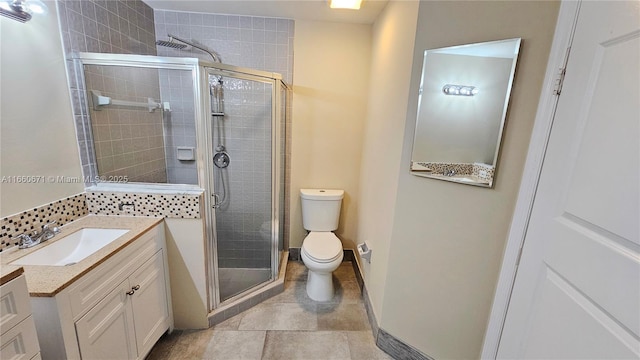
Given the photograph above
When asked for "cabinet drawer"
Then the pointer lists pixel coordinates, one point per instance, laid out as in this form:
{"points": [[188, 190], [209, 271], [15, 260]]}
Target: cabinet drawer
{"points": [[88, 291], [14, 303], [20, 342]]}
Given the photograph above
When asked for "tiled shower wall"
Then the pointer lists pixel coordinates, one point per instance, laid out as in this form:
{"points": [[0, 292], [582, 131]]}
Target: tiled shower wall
{"points": [[106, 26], [248, 41], [176, 87], [128, 141], [243, 222]]}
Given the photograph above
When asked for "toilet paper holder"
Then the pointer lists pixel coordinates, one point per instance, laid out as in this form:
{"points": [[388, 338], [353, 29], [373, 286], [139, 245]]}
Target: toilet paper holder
{"points": [[364, 251]]}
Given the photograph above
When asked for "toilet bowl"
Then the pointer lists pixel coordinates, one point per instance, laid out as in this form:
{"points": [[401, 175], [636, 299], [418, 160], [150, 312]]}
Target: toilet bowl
{"points": [[322, 254], [321, 250]]}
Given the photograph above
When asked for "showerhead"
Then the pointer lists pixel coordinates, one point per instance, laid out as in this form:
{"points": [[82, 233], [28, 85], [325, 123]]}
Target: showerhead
{"points": [[170, 44]]}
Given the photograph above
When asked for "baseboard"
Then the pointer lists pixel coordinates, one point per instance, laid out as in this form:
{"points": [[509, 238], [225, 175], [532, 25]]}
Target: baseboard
{"points": [[388, 343], [294, 254]]}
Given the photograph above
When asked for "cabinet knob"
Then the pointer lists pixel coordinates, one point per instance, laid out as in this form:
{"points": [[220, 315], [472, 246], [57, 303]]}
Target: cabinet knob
{"points": [[131, 292]]}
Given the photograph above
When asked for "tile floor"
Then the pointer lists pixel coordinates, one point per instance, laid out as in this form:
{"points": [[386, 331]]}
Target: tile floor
{"points": [[287, 326]]}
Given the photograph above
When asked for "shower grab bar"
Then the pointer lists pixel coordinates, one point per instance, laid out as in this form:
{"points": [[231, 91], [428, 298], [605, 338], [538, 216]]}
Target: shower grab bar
{"points": [[100, 101]]}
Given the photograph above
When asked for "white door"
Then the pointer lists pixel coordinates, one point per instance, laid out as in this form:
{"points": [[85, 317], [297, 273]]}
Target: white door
{"points": [[577, 289]]}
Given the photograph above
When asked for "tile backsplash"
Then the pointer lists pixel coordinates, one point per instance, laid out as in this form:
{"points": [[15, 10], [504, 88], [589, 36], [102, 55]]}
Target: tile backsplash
{"points": [[62, 211], [184, 206]]}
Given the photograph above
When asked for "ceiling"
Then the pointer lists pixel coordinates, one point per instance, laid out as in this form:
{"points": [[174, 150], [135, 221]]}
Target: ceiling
{"points": [[316, 10]]}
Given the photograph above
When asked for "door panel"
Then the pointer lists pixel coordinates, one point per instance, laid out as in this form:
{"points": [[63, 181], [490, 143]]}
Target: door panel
{"points": [[610, 82], [106, 331], [149, 302], [581, 329], [244, 211], [577, 289]]}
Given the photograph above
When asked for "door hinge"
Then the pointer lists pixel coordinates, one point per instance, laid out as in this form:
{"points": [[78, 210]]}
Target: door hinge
{"points": [[557, 86], [562, 71]]}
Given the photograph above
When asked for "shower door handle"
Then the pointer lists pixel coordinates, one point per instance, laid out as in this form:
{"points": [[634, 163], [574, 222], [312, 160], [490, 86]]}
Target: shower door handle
{"points": [[216, 201]]}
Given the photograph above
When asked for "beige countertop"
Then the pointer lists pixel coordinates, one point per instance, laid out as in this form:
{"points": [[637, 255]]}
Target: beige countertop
{"points": [[9, 272], [47, 281]]}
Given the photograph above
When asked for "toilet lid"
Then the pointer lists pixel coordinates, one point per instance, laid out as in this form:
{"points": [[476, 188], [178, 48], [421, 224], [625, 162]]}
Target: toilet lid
{"points": [[322, 246]]}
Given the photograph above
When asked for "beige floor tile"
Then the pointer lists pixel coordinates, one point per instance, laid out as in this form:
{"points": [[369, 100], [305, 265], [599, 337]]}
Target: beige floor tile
{"points": [[347, 292], [342, 317], [345, 272], [307, 345], [229, 324], [296, 271], [191, 344], [287, 326], [294, 292], [363, 347], [235, 345], [163, 347], [285, 316]]}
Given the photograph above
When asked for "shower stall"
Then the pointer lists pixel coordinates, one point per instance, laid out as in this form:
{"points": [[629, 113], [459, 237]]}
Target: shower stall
{"points": [[185, 124]]}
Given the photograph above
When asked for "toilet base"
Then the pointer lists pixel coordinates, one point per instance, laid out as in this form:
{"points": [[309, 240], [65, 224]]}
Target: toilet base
{"points": [[320, 286]]}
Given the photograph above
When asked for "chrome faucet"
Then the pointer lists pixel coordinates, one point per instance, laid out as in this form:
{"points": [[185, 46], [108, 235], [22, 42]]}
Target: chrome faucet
{"points": [[449, 172], [47, 232]]}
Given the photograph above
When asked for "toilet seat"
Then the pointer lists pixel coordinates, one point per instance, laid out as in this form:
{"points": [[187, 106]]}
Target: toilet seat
{"points": [[322, 247]]}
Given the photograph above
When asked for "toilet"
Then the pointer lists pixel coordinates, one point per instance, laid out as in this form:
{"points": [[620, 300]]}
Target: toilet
{"points": [[321, 250]]}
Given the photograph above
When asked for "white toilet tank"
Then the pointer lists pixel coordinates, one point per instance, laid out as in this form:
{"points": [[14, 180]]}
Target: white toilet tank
{"points": [[321, 209]]}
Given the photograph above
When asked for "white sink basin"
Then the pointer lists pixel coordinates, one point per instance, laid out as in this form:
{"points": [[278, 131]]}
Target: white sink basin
{"points": [[71, 248]]}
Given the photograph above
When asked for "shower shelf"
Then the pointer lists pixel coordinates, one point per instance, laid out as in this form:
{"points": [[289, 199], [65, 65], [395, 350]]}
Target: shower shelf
{"points": [[217, 114], [99, 101]]}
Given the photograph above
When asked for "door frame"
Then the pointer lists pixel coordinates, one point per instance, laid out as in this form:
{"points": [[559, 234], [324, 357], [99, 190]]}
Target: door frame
{"points": [[207, 180], [563, 36]]}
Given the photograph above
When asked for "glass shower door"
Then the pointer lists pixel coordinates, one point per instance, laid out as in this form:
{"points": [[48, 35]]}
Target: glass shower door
{"points": [[241, 124]]}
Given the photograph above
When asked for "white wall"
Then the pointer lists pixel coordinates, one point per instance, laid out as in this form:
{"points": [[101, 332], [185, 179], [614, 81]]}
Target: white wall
{"points": [[391, 57], [447, 239], [331, 80], [187, 272], [37, 135]]}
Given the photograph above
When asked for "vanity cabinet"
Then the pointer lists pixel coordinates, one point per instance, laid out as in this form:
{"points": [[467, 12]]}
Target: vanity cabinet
{"points": [[19, 340], [116, 311]]}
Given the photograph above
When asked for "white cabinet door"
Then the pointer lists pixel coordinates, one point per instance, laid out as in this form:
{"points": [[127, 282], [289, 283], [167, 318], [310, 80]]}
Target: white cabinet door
{"points": [[150, 310], [577, 290], [107, 331]]}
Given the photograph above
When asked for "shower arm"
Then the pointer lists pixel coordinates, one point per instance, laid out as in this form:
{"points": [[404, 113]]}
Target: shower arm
{"points": [[213, 56]]}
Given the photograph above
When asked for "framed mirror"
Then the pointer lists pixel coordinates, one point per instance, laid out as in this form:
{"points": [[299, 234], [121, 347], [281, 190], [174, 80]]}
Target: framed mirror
{"points": [[462, 106]]}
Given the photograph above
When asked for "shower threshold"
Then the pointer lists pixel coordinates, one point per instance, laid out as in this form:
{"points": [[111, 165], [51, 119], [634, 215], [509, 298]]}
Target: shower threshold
{"points": [[251, 297]]}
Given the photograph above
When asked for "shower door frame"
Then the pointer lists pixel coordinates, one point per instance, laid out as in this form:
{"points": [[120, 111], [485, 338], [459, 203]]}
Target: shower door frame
{"points": [[205, 137]]}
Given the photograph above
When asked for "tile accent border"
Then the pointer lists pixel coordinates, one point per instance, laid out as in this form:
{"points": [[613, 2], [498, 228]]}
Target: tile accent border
{"points": [[397, 349], [61, 211], [229, 310], [482, 171], [183, 206], [388, 343]]}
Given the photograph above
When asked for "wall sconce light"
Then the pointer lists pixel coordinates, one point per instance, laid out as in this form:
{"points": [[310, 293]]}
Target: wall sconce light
{"points": [[21, 10], [464, 90], [345, 4]]}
